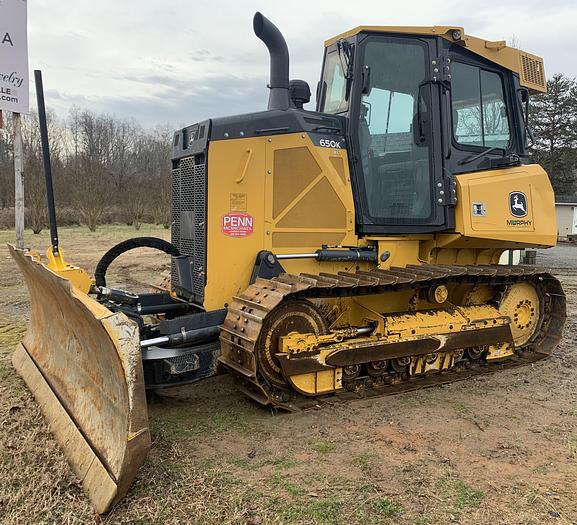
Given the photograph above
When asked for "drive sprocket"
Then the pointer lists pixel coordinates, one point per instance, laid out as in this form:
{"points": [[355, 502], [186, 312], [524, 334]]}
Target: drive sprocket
{"points": [[522, 303]]}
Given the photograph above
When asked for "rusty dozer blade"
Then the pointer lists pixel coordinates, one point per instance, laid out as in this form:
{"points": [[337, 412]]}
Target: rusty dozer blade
{"points": [[82, 362]]}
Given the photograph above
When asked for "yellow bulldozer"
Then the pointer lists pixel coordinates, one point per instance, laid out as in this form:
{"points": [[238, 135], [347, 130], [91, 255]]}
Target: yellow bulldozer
{"points": [[348, 251]]}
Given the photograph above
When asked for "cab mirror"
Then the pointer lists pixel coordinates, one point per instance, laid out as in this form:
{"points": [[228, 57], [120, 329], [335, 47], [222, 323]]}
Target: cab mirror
{"points": [[524, 95]]}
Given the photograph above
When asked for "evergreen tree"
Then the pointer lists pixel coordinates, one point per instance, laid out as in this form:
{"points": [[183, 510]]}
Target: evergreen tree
{"points": [[553, 120]]}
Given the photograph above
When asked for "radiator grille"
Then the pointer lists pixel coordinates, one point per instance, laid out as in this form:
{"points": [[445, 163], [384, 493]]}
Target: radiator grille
{"points": [[189, 219], [533, 71]]}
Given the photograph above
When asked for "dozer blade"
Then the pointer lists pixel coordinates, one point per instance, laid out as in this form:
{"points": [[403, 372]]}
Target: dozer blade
{"points": [[82, 363]]}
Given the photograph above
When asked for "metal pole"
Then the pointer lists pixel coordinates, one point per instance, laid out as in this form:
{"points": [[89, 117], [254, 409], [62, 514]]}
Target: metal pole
{"points": [[18, 182], [46, 159]]}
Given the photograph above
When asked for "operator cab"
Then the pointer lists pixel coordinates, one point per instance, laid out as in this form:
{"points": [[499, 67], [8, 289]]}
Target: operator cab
{"points": [[421, 107]]}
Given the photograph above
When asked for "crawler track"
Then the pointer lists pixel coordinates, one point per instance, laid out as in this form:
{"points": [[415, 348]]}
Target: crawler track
{"points": [[246, 314]]}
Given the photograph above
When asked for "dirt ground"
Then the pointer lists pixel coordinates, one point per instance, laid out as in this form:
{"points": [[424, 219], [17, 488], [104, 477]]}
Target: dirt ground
{"points": [[498, 449]]}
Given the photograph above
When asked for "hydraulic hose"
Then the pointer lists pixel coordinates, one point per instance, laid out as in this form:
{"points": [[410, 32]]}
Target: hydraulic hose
{"points": [[130, 244]]}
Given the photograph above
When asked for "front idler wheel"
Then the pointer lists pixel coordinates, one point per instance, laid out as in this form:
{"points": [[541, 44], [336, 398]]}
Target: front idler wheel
{"points": [[292, 316]]}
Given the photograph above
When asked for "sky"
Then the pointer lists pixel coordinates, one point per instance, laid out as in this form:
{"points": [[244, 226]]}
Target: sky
{"points": [[178, 62]]}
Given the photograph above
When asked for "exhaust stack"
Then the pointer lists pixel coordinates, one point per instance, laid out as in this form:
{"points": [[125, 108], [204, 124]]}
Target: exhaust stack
{"points": [[279, 61]]}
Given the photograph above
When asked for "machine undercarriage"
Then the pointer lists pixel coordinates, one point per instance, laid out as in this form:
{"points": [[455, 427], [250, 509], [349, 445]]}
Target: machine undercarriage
{"points": [[291, 336]]}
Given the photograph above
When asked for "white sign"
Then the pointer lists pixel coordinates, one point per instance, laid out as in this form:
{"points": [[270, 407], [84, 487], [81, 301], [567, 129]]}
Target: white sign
{"points": [[13, 56]]}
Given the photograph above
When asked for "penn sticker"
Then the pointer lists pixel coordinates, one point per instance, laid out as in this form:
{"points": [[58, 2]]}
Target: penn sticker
{"points": [[237, 224]]}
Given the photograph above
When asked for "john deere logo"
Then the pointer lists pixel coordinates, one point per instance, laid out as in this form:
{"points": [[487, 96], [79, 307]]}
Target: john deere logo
{"points": [[518, 204]]}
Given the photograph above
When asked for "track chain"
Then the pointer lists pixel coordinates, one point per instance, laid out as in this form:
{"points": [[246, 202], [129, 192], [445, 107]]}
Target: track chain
{"points": [[247, 312]]}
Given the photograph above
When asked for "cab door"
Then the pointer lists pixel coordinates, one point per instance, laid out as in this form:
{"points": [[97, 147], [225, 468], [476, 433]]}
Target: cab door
{"points": [[396, 133]]}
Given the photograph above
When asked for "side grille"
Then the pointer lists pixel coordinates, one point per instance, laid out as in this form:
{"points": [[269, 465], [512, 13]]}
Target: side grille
{"points": [[533, 71], [189, 219]]}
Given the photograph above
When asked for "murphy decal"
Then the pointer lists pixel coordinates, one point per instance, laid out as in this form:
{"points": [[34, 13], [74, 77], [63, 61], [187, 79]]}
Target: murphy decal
{"points": [[519, 222]]}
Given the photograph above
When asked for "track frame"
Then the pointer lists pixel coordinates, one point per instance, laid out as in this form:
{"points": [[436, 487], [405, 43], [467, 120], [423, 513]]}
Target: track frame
{"points": [[248, 311]]}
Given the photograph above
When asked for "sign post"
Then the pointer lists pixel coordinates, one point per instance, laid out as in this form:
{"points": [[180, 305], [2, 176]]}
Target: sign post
{"points": [[18, 181], [14, 90]]}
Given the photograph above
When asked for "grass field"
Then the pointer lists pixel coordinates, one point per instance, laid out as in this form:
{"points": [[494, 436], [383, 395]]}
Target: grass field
{"points": [[499, 449]]}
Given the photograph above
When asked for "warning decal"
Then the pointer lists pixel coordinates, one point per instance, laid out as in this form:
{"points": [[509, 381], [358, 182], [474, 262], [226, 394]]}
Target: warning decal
{"points": [[237, 224]]}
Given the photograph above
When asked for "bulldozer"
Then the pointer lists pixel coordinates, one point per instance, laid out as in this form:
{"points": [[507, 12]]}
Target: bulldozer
{"points": [[344, 252]]}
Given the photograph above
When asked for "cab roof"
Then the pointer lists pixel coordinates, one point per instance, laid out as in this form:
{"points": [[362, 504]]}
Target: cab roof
{"points": [[530, 68]]}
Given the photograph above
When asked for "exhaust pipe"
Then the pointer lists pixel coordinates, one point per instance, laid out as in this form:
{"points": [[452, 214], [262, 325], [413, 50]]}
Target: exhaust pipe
{"points": [[279, 61]]}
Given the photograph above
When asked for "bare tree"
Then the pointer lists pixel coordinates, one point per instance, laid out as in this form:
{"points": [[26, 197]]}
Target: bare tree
{"points": [[125, 135], [514, 41], [91, 191], [150, 183], [6, 167], [137, 199], [163, 195]]}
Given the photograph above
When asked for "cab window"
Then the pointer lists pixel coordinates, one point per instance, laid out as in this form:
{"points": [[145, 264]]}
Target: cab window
{"points": [[334, 85], [479, 107]]}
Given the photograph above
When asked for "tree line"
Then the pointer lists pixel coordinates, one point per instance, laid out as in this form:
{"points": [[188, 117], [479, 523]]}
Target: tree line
{"points": [[105, 170], [108, 169]]}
